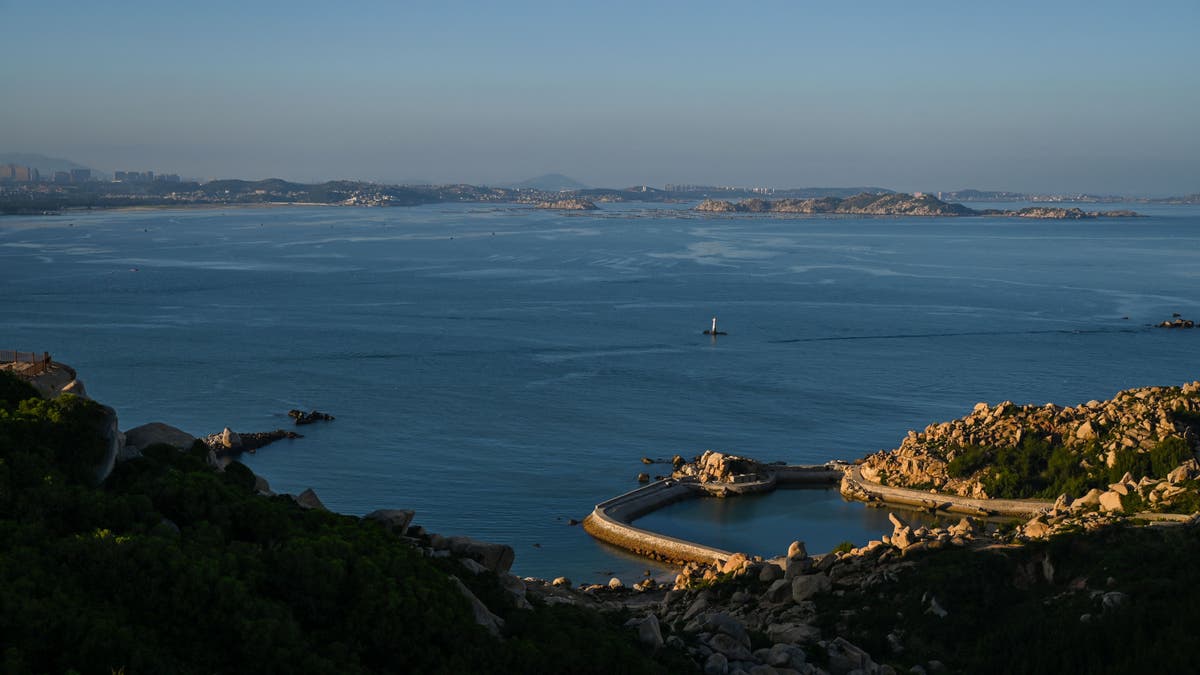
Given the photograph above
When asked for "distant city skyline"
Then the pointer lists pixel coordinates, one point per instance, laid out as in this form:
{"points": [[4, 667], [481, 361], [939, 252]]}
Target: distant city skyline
{"points": [[1097, 97]]}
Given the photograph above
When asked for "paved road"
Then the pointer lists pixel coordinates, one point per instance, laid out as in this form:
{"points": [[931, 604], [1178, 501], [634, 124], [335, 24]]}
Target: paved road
{"points": [[1002, 507]]}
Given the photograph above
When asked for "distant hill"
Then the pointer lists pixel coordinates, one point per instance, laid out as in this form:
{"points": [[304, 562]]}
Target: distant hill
{"points": [[552, 182], [44, 164]]}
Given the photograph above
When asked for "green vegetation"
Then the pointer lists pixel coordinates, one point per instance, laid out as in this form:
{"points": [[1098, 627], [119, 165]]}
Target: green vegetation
{"points": [[844, 547], [173, 567], [1037, 468], [1008, 612]]}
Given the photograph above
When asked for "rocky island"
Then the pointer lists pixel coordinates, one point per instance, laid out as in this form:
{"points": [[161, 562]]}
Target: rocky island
{"points": [[1061, 213], [572, 204], [894, 204]]}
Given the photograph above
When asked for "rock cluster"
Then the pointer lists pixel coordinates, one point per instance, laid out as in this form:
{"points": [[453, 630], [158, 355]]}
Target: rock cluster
{"points": [[1178, 322], [1136, 419], [907, 540], [302, 417], [778, 599], [229, 443], [719, 467]]}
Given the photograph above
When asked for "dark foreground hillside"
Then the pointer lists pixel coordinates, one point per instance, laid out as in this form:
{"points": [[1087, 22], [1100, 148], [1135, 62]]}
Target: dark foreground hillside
{"points": [[172, 567]]}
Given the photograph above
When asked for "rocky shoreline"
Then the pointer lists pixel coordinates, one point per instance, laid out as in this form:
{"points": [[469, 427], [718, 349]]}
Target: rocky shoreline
{"points": [[797, 613]]}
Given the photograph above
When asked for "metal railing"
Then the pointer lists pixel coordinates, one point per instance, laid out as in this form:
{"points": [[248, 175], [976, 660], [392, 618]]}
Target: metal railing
{"points": [[26, 364]]}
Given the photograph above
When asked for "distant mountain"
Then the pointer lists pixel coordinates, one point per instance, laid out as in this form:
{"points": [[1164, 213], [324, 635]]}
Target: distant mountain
{"points": [[551, 182], [45, 165]]}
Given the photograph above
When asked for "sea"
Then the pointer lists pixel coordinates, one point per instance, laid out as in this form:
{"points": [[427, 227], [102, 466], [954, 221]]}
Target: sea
{"points": [[501, 369]]}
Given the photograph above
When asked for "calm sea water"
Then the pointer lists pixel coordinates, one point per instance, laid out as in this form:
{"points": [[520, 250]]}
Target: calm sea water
{"points": [[501, 370]]}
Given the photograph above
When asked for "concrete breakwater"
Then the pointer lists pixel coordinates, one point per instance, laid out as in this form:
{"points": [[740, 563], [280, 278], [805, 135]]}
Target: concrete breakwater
{"points": [[610, 521]]}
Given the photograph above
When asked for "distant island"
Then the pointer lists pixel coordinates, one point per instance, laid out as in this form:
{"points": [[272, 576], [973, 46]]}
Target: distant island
{"points": [[896, 204], [972, 195], [572, 204], [33, 184]]}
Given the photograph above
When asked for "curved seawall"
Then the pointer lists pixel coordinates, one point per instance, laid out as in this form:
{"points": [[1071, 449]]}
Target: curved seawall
{"points": [[610, 521]]}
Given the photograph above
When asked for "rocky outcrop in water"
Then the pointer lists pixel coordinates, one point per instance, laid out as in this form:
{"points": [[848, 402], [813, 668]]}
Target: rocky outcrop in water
{"points": [[719, 467], [1177, 322], [302, 417], [230, 442]]}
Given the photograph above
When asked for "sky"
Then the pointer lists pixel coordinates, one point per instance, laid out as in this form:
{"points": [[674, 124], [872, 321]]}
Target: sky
{"points": [[1100, 97]]}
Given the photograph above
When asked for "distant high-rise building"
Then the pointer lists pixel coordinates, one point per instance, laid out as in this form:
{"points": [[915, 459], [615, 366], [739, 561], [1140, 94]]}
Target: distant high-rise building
{"points": [[61, 177], [80, 175], [8, 171], [167, 177], [133, 176]]}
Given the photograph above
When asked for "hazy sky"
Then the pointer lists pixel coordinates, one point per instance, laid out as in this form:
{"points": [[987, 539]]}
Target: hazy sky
{"points": [[1067, 96]]}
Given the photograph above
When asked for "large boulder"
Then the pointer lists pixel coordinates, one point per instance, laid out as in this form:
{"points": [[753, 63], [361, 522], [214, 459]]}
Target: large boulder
{"points": [[796, 567], [515, 588], [230, 440], [786, 656], [395, 520], [845, 657], [805, 587], [716, 664], [1037, 528], [114, 442], [793, 633], [797, 549], [730, 646], [1182, 472], [1091, 499], [770, 572], [735, 563], [720, 622], [649, 632], [140, 438], [496, 557], [483, 616], [308, 500], [1085, 431], [1111, 502]]}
